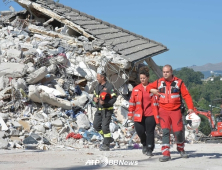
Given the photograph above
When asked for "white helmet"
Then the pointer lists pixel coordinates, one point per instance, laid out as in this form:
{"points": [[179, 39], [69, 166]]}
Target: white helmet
{"points": [[193, 121]]}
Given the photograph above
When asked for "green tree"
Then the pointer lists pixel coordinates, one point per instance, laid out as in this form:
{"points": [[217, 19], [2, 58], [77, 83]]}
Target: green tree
{"points": [[204, 125], [189, 76], [153, 76]]}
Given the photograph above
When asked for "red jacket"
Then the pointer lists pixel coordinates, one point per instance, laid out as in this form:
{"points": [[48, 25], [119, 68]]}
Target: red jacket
{"points": [[171, 93], [135, 104]]}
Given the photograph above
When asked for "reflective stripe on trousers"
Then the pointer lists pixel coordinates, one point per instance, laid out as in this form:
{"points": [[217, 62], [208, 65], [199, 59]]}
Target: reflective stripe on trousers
{"points": [[166, 149], [113, 94], [109, 108], [108, 135]]}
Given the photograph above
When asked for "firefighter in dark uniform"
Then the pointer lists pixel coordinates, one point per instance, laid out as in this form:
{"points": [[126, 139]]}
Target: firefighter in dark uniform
{"points": [[104, 111]]}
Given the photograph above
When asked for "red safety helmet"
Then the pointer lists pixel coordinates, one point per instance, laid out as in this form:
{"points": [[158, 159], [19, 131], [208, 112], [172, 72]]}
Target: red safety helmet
{"points": [[105, 96]]}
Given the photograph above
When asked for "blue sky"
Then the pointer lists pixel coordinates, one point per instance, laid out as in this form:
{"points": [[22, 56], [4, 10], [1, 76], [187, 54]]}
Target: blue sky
{"points": [[191, 29]]}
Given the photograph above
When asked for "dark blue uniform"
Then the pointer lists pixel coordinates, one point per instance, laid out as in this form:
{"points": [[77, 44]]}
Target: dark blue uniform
{"points": [[104, 112]]}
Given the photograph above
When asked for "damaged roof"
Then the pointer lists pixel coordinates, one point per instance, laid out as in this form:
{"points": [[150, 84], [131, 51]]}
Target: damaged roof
{"points": [[130, 46]]}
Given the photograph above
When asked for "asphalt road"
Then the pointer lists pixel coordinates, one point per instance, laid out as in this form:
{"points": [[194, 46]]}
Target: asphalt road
{"points": [[202, 157]]}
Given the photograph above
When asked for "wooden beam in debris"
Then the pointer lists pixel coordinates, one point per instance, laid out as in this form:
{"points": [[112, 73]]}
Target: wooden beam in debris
{"points": [[36, 29], [62, 20], [154, 67], [59, 18]]}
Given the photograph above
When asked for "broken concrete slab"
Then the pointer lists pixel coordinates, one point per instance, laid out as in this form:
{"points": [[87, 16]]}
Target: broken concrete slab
{"points": [[54, 101], [16, 124], [15, 70], [80, 100], [61, 90], [81, 70], [49, 90], [14, 53], [20, 84], [34, 94], [38, 116], [39, 128], [4, 82], [4, 116], [48, 125], [37, 75], [4, 127], [47, 79], [57, 123], [2, 134], [3, 144], [121, 114]]}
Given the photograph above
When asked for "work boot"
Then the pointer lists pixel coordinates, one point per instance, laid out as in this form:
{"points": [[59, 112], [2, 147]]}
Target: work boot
{"points": [[183, 154], [108, 140], [111, 140], [144, 149], [164, 159], [104, 147], [149, 153]]}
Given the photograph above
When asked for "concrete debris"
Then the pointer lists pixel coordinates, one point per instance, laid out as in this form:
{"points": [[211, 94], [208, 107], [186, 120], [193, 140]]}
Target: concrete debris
{"points": [[15, 70], [47, 77], [4, 127], [37, 75], [3, 144]]}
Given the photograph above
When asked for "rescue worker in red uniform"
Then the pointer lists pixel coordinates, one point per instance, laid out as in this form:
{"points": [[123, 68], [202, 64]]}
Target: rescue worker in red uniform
{"points": [[143, 110], [170, 89]]}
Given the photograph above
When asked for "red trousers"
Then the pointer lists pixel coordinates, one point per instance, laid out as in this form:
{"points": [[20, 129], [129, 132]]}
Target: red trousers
{"points": [[172, 119]]}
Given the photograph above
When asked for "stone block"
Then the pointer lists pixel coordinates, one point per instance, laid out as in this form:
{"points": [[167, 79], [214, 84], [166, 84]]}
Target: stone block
{"points": [[14, 53], [37, 75]]}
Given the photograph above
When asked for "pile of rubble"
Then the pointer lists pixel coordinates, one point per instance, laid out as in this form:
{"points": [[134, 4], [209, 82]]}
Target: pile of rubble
{"points": [[47, 78]]}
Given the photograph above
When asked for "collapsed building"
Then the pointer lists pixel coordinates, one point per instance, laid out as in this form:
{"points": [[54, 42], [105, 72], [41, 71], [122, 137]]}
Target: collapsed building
{"points": [[50, 54]]}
